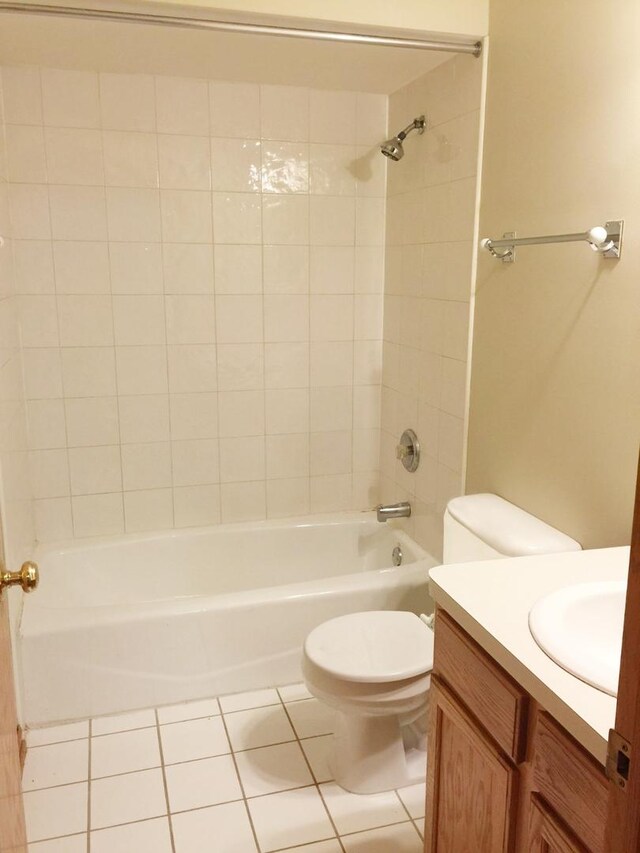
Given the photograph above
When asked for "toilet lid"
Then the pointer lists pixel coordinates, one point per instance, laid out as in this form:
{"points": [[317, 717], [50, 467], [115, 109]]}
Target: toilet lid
{"points": [[375, 646]]}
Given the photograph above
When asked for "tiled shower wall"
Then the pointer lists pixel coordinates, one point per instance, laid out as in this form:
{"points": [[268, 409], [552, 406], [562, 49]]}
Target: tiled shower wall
{"points": [[430, 226], [200, 269], [16, 504]]}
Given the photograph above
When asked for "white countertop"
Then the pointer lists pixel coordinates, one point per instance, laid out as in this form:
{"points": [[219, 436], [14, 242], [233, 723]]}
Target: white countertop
{"points": [[491, 601]]}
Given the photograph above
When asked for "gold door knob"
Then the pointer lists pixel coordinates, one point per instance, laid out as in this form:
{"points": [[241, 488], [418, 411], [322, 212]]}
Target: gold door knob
{"points": [[27, 577]]}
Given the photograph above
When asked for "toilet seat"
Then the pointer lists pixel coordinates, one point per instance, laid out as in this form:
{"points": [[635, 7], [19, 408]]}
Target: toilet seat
{"points": [[374, 647]]}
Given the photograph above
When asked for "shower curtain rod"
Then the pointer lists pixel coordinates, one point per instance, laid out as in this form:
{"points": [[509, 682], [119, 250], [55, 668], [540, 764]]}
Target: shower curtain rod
{"points": [[194, 23]]}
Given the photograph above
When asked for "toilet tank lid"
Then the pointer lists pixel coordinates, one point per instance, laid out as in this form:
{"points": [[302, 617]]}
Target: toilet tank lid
{"points": [[507, 528]]}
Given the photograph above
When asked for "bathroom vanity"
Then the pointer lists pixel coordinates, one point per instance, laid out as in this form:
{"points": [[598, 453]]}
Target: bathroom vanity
{"points": [[517, 745]]}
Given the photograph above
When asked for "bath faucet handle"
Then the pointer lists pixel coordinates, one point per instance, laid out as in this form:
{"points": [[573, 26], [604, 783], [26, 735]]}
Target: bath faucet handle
{"points": [[402, 451]]}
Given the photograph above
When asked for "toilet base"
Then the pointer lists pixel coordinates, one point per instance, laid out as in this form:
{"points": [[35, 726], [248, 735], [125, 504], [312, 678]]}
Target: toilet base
{"points": [[369, 754]]}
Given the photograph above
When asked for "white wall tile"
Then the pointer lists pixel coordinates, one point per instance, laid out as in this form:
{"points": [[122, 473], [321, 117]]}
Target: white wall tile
{"points": [[241, 367], [74, 156], [146, 466], [193, 416], [92, 421], [285, 219], [81, 267], [151, 509], [241, 413], [242, 459], [332, 221], [46, 424], [284, 113], [190, 319], [144, 418], [243, 501], [95, 470], [287, 410], [235, 109], [196, 505], [38, 321], [133, 215], [130, 159], [286, 365], [88, 371], [286, 269], [195, 462], [182, 105], [332, 116], [127, 102], [286, 318], [49, 473], [235, 165], [285, 167], [184, 162], [70, 98], [332, 269], [238, 269], [239, 319], [192, 368], [42, 374], [139, 320], [26, 160], [78, 213], [30, 218], [237, 218], [142, 370], [85, 321], [33, 265], [22, 95], [98, 515], [287, 456], [188, 268], [288, 497], [189, 379]]}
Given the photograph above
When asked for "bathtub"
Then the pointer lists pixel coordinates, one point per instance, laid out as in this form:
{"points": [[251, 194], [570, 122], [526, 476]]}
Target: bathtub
{"points": [[139, 621]]}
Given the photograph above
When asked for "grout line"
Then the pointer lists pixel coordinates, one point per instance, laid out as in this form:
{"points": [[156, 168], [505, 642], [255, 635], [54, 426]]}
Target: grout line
{"points": [[313, 776], [164, 783], [244, 796], [89, 790]]}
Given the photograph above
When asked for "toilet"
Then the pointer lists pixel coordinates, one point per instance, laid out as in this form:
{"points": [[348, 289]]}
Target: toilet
{"points": [[374, 668]]}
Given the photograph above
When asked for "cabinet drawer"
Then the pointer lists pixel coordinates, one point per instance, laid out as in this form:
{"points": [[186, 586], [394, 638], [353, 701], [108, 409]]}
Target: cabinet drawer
{"points": [[497, 702], [571, 782]]}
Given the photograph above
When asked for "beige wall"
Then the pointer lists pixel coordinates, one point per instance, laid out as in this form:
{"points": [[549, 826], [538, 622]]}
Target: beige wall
{"points": [[456, 16], [555, 396], [430, 224]]}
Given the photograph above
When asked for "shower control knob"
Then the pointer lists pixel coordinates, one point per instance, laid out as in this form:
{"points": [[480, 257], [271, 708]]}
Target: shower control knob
{"points": [[408, 451], [28, 577]]}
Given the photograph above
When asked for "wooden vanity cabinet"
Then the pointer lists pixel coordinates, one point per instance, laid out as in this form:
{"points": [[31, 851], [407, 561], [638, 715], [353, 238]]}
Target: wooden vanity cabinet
{"points": [[503, 776]]}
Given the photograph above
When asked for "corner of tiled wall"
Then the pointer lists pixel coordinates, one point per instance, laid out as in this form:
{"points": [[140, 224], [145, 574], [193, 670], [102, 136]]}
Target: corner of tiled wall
{"points": [[17, 508], [201, 275], [430, 225]]}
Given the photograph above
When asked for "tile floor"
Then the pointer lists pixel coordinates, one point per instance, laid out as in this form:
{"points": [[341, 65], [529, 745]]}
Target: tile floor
{"points": [[241, 774]]}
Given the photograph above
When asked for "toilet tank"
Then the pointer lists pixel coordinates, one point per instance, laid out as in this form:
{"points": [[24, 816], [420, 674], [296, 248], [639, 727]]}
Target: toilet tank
{"points": [[486, 527]]}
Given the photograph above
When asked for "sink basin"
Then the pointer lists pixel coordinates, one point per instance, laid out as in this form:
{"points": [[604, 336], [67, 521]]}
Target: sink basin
{"points": [[580, 628]]}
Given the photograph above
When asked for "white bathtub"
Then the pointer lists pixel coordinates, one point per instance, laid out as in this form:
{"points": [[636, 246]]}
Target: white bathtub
{"points": [[139, 621]]}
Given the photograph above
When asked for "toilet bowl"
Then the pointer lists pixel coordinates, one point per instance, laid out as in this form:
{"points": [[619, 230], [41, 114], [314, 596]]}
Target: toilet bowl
{"points": [[374, 670]]}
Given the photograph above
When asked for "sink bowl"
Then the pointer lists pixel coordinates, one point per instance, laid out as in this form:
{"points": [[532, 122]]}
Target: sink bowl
{"points": [[580, 628]]}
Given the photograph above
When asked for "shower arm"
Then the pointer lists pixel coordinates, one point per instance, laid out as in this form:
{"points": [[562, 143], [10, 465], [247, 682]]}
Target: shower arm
{"points": [[417, 124]]}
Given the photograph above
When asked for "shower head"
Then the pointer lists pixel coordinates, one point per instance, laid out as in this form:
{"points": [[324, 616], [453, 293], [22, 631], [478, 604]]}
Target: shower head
{"points": [[393, 148]]}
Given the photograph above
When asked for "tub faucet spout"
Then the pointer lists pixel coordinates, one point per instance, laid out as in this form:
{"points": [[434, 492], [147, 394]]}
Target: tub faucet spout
{"points": [[399, 510]]}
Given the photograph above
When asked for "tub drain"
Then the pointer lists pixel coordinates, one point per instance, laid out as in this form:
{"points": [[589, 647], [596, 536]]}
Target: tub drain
{"points": [[396, 556]]}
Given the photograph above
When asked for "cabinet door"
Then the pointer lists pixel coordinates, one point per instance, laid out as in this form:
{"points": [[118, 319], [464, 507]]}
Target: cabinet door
{"points": [[472, 787], [547, 834]]}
